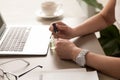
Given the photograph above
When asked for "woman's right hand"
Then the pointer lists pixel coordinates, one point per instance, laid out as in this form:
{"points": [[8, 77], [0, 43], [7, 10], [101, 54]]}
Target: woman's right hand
{"points": [[64, 31]]}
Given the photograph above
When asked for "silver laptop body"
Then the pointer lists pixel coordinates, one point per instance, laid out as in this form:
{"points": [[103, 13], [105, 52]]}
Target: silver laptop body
{"points": [[23, 40]]}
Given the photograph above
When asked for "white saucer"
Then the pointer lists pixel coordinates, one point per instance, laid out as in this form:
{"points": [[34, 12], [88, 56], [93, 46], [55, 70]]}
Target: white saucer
{"points": [[58, 13]]}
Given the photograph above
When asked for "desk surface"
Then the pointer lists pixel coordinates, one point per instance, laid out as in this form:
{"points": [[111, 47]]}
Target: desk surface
{"points": [[23, 12]]}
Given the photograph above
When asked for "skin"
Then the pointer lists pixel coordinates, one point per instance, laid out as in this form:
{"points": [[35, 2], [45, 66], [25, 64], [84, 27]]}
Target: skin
{"points": [[66, 49]]}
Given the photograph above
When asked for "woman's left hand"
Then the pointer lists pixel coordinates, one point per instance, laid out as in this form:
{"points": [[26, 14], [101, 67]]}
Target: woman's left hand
{"points": [[66, 49]]}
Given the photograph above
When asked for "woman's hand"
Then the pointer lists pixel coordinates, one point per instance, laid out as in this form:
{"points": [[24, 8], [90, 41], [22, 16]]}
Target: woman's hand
{"points": [[65, 49], [64, 31]]}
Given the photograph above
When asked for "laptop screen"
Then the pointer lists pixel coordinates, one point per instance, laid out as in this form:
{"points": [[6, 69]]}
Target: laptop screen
{"points": [[1, 22], [2, 25]]}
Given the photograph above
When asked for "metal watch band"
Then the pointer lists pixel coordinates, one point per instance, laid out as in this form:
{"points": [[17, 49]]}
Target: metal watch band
{"points": [[80, 59]]}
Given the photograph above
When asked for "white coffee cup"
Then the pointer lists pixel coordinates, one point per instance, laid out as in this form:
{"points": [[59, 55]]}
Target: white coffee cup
{"points": [[49, 7]]}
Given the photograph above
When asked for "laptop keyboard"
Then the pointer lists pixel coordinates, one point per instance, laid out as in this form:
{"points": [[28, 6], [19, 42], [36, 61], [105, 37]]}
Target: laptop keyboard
{"points": [[15, 39]]}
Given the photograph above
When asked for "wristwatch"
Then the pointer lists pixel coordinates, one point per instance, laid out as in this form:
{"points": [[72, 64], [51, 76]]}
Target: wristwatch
{"points": [[80, 59]]}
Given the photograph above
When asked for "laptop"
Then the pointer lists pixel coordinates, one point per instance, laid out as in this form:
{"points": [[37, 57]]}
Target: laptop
{"points": [[23, 40]]}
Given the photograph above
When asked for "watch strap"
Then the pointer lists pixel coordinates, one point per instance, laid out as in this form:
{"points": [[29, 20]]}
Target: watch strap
{"points": [[80, 59]]}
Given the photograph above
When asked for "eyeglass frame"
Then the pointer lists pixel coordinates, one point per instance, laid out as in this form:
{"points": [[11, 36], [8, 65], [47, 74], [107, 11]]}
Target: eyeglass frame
{"points": [[15, 60], [16, 77]]}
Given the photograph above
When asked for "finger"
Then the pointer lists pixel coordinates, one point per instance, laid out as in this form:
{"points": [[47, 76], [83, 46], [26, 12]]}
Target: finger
{"points": [[60, 23], [51, 28], [61, 27]]}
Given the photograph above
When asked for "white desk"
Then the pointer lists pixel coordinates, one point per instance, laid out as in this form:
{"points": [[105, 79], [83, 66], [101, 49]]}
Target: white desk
{"points": [[23, 12]]}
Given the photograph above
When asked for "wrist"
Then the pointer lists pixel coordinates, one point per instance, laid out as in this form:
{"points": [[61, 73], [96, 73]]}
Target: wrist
{"points": [[75, 32], [80, 59], [75, 52]]}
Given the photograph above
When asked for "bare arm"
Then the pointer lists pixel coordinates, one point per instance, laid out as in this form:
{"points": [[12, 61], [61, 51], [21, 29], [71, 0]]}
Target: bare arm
{"points": [[67, 50], [105, 64], [99, 21]]}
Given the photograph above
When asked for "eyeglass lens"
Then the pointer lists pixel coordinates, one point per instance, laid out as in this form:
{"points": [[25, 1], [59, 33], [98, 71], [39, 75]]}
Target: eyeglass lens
{"points": [[20, 63]]}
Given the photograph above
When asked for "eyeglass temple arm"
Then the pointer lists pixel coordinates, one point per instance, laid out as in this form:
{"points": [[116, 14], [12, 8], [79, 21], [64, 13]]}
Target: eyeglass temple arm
{"points": [[30, 70]]}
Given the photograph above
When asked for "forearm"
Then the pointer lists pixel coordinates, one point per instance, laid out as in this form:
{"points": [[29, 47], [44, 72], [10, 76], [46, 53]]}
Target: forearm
{"points": [[99, 21], [105, 64], [91, 25]]}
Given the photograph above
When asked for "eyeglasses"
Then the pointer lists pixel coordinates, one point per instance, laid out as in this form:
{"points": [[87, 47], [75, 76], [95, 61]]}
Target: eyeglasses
{"points": [[11, 76], [15, 60]]}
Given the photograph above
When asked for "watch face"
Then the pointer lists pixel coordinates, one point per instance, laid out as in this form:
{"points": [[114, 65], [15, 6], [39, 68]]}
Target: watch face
{"points": [[80, 59]]}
